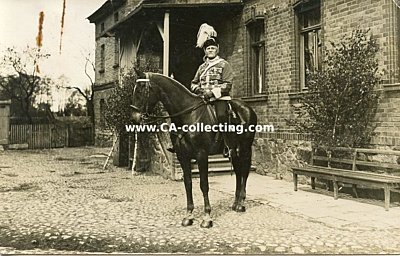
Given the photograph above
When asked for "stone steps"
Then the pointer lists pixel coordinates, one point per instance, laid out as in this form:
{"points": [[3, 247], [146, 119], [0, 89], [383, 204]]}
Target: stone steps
{"points": [[217, 165]]}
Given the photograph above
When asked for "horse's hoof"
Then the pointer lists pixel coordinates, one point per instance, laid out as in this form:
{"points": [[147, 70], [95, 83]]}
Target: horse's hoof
{"points": [[234, 206], [240, 208], [187, 222], [206, 224]]}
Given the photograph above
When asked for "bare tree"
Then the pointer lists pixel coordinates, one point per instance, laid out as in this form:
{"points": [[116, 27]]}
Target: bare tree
{"points": [[23, 81], [88, 93]]}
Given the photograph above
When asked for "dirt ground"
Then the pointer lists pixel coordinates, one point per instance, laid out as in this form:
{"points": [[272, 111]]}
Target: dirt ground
{"points": [[61, 201], [26, 171]]}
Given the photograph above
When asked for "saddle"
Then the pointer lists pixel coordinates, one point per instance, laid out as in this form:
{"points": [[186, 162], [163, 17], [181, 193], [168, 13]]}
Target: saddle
{"points": [[233, 116], [218, 145], [219, 141]]}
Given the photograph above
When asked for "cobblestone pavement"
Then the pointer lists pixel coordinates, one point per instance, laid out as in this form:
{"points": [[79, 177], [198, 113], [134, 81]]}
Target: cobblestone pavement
{"points": [[60, 201]]}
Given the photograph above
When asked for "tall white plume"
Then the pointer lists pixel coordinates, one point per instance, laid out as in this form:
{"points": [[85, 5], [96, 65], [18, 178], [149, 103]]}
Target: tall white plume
{"points": [[205, 32]]}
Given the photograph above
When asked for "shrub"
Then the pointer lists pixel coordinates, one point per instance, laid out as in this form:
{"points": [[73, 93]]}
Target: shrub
{"points": [[341, 101], [118, 111]]}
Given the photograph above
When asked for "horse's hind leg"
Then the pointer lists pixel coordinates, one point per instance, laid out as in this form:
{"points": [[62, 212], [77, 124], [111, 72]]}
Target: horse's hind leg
{"points": [[187, 179], [236, 167], [202, 161]]}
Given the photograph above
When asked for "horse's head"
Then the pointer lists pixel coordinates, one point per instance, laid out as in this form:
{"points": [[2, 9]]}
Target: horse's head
{"points": [[144, 98], [152, 88]]}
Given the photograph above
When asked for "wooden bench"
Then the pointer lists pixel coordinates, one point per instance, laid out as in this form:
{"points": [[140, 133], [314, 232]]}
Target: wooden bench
{"points": [[382, 175]]}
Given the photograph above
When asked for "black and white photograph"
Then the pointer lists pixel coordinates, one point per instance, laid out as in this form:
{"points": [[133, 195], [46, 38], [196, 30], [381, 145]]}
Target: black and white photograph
{"points": [[199, 127]]}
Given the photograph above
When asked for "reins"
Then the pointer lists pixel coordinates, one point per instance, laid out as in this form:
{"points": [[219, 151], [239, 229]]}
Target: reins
{"points": [[145, 115], [185, 111]]}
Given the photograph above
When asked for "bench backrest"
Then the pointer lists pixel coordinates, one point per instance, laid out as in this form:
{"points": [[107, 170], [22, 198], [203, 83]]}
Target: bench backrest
{"points": [[359, 159]]}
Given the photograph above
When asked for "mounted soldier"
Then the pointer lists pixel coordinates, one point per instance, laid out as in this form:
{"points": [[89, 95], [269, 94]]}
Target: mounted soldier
{"points": [[213, 79]]}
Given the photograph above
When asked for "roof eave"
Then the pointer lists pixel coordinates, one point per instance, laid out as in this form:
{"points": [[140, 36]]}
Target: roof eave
{"points": [[143, 6], [104, 10]]}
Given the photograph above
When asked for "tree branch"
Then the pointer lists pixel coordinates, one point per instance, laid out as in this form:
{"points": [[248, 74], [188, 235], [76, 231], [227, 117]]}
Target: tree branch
{"points": [[80, 91], [90, 78]]}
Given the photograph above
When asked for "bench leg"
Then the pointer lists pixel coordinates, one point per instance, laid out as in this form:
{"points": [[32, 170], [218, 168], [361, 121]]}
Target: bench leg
{"points": [[355, 191], [335, 190], [387, 197], [313, 182], [295, 181]]}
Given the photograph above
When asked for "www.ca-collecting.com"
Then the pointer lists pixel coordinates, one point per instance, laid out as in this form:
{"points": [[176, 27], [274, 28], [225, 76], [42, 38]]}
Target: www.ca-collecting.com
{"points": [[199, 127]]}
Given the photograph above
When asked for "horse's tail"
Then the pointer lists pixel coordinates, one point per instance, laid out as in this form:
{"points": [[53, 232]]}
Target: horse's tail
{"points": [[246, 114]]}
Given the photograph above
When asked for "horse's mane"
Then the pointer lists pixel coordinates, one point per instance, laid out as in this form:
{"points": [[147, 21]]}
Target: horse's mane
{"points": [[175, 83]]}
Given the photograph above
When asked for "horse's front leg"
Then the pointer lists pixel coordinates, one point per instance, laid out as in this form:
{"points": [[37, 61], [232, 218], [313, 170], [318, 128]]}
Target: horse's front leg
{"points": [[202, 161], [242, 169], [187, 179]]}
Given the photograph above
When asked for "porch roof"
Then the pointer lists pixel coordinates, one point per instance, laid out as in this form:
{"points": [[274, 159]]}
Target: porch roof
{"points": [[141, 8]]}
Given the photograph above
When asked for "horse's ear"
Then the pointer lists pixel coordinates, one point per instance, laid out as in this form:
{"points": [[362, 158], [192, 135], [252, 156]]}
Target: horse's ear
{"points": [[139, 73]]}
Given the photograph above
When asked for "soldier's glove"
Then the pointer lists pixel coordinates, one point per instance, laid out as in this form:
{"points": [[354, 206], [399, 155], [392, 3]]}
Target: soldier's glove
{"points": [[198, 91], [208, 95]]}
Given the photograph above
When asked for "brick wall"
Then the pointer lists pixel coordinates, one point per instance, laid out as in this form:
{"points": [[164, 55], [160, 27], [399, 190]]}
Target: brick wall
{"points": [[280, 62], [342, 17], [282, 74], [339, 17], [110, 72], [381, 17], [103, 136], [388, 119]]}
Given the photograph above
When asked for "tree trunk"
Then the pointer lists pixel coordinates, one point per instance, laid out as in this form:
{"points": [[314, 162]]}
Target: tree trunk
{"points": [[90, 112], [26, 108]]}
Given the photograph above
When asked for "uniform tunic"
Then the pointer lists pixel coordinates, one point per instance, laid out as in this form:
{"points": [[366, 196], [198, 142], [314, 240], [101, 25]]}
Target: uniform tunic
{"points": [[214, 75]]}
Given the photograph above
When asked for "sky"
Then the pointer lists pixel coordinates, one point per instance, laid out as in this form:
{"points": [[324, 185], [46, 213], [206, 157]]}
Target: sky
{"points": [[19, 22]]}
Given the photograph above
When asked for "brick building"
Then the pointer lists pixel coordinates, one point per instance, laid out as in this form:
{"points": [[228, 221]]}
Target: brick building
{"points": [[270, 44]]}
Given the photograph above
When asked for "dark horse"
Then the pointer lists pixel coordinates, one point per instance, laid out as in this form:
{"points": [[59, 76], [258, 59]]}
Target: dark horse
{"points": [[186, 108]]}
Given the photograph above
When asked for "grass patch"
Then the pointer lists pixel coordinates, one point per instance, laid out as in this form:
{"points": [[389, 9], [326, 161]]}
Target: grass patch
{"points": [[20, 188], [10, 174], [59, 241]]}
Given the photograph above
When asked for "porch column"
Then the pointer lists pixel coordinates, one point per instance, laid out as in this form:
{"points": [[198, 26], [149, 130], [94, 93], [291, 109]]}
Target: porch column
{"points": [[166, 44]]}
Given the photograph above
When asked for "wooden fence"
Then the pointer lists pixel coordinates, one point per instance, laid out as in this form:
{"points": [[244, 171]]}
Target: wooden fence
{"points": [[38, 136]]}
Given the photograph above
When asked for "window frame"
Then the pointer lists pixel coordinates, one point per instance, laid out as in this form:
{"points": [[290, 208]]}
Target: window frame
{"points": [[316, 31], [102, 106], [102, 58], [256, 56], [116, 53]]}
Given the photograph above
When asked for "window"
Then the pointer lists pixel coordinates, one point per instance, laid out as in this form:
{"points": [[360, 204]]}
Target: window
{"points": [[310, 40], [116, 17], [256, 56], [102, 121], [102, 27], [102, 58], [116, 53]]}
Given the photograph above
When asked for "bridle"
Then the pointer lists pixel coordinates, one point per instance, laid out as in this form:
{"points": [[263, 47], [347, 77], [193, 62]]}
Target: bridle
{"points": [[146, 117]]}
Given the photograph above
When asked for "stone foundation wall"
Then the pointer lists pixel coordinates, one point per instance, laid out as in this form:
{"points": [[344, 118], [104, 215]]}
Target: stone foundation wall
{"points": [[275, 156], [103, 138], [158, 159]]}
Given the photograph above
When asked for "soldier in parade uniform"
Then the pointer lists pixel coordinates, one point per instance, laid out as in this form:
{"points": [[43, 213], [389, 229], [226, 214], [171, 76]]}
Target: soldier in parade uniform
{"points": [[214, 78]]}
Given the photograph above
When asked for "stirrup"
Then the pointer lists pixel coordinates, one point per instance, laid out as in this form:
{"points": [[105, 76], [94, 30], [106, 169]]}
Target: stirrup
{"points": [[227, 152]]}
